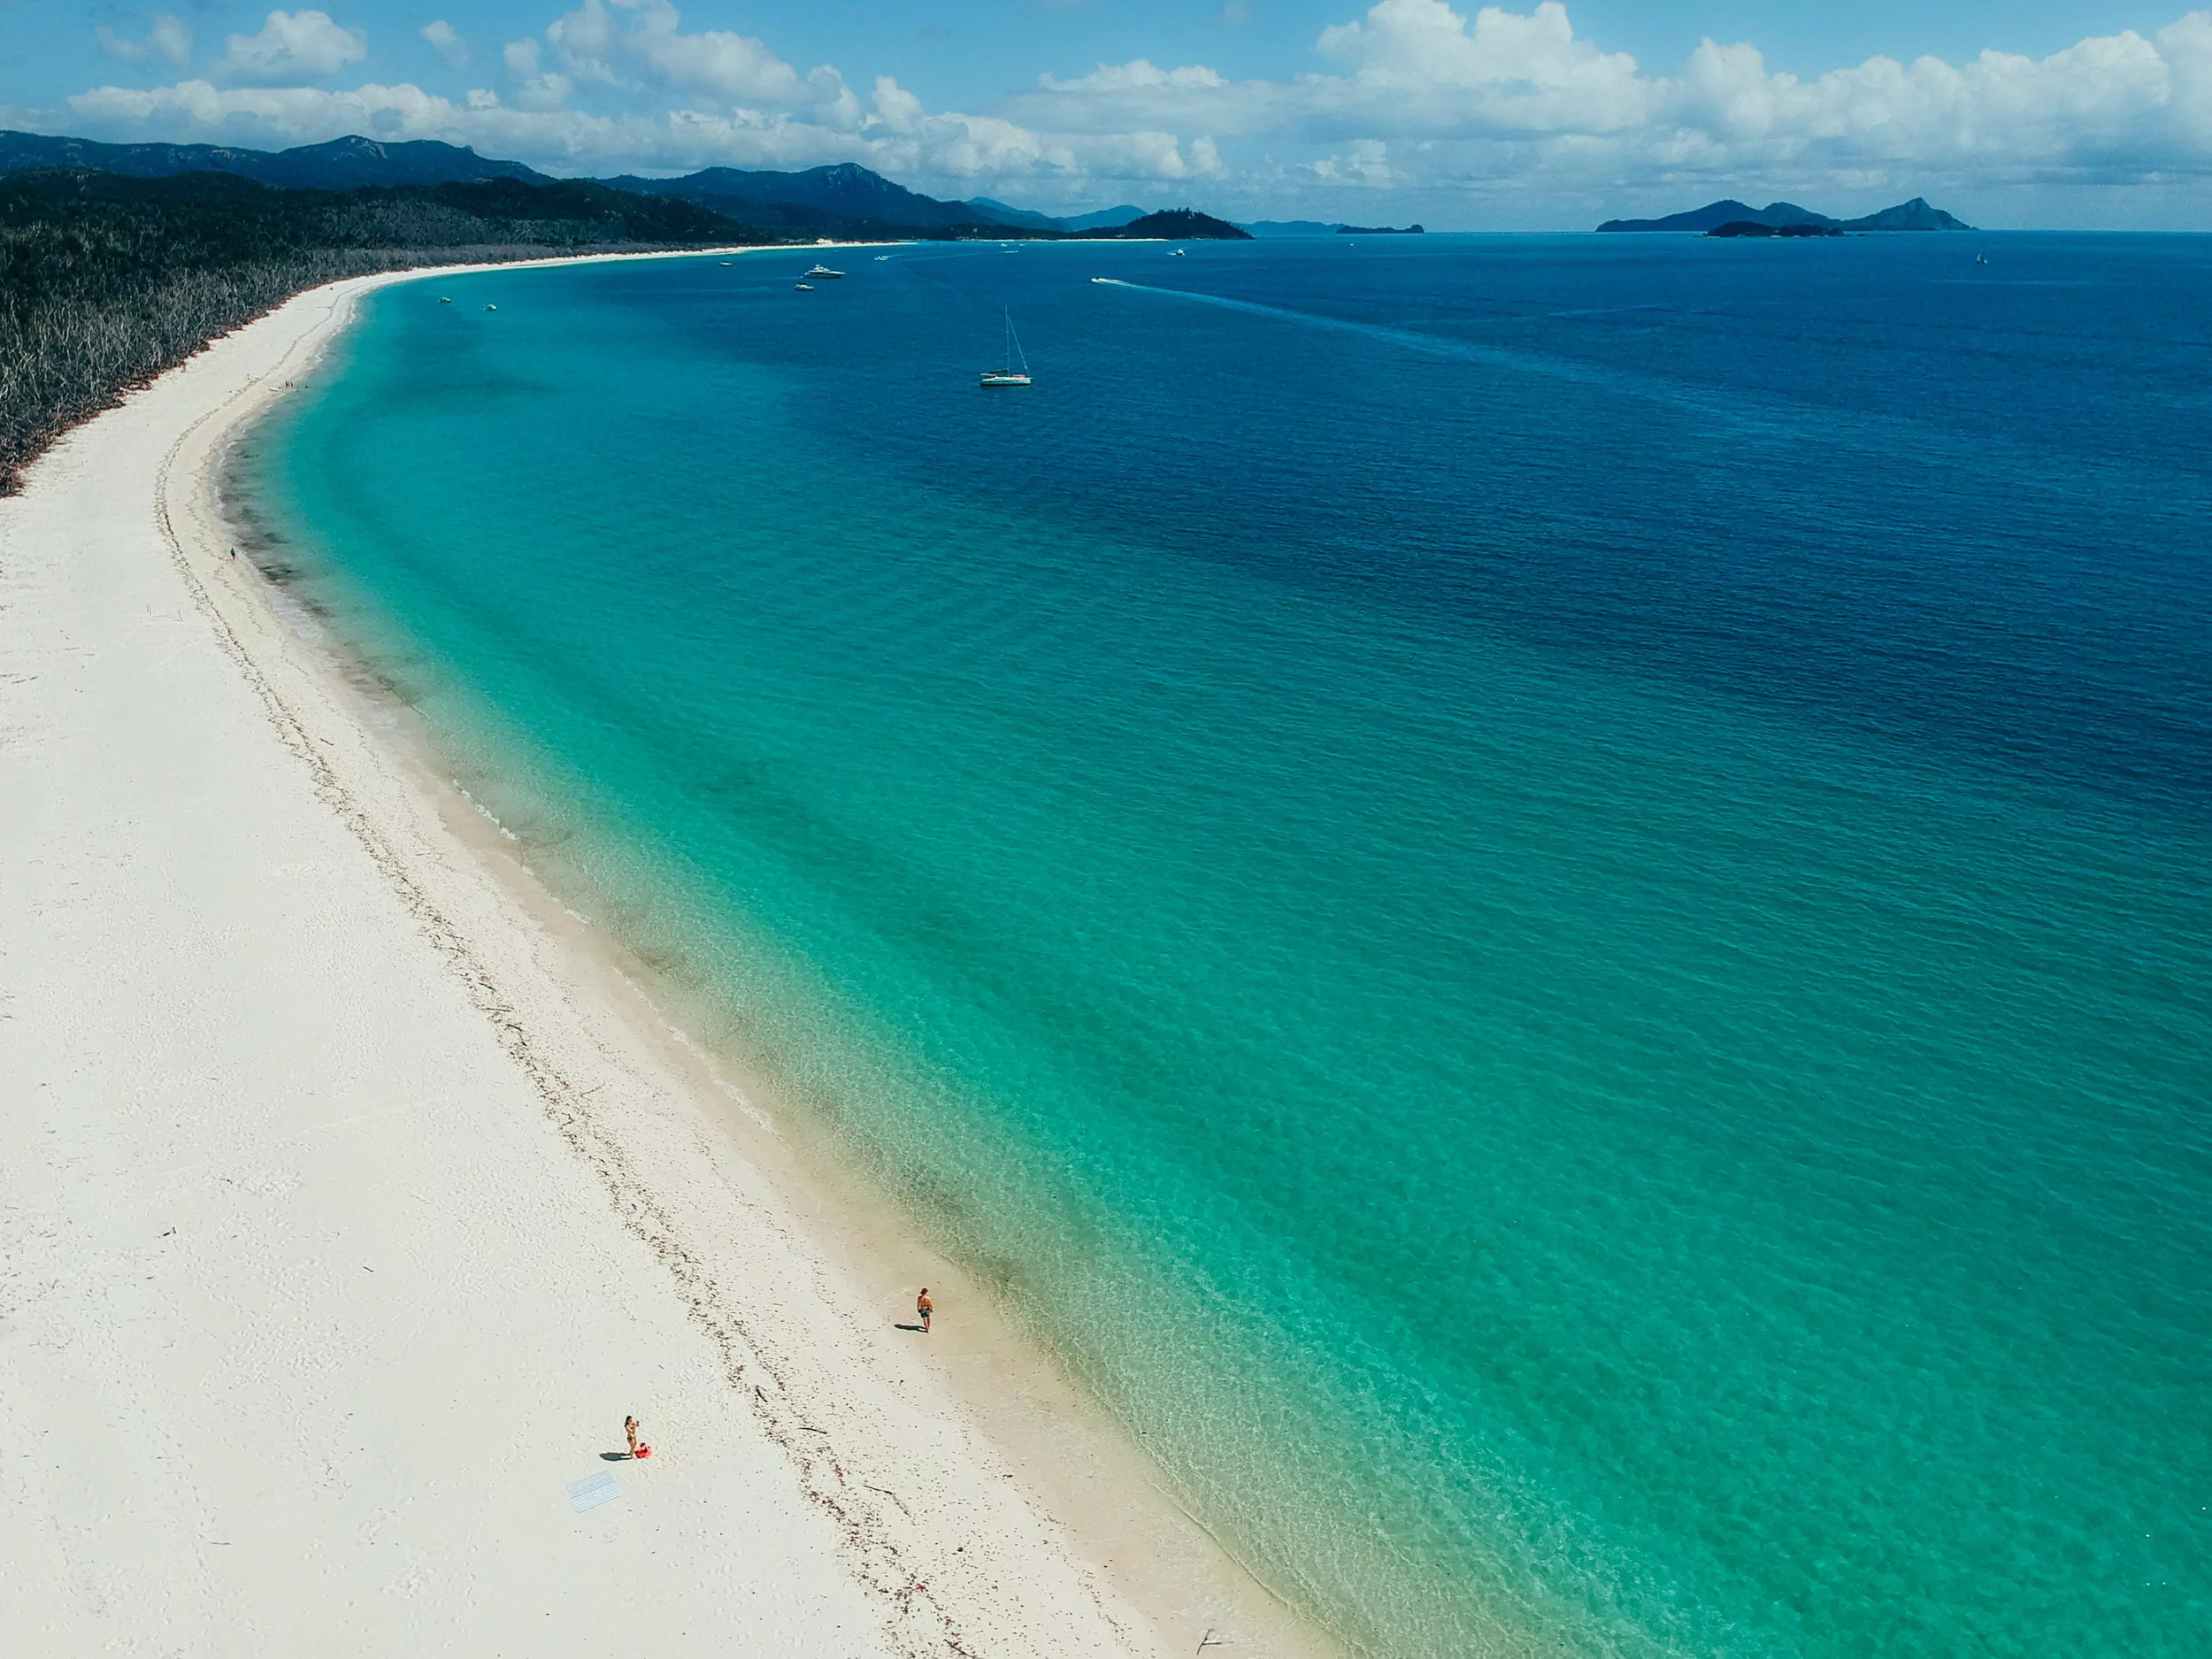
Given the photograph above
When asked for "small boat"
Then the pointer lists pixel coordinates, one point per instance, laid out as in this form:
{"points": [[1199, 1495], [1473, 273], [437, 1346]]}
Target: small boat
{"points": [[881, 257], [824, 271], [1175, 253], [802, 288], [1010, 375], [445, 299], [725, 264], [1981, 259], [491, 308]]}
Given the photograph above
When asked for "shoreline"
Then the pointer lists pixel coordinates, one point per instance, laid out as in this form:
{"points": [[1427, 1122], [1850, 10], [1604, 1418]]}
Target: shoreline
{"points": [[971, 1558], [1068, 1453]]}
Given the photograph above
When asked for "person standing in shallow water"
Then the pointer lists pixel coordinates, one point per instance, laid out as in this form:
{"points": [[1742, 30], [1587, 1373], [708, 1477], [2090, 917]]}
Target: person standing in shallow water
{"points": [[924, 1307]]}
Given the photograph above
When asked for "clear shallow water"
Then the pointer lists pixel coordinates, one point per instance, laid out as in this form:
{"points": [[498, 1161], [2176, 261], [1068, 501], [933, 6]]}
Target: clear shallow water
{"points": [[1543, 899]]}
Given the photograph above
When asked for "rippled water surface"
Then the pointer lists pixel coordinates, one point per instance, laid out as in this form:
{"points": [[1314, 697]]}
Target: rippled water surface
{"points": [[1544, 900]]}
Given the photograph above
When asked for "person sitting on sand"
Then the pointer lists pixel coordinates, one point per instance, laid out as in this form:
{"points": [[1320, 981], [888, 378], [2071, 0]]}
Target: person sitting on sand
{"points": [[629, 1427], [924, 1307]]}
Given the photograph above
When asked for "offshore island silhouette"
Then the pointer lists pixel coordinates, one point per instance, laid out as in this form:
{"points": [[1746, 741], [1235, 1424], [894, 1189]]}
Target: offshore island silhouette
{"points": [[1731, 218]]}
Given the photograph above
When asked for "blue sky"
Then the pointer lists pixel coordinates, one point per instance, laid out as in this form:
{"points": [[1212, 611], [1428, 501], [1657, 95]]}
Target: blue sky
{"points": [[1534, 114]]}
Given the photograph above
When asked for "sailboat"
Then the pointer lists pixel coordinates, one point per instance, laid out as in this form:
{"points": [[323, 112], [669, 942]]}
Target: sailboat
{"points": [[1010, 375]]}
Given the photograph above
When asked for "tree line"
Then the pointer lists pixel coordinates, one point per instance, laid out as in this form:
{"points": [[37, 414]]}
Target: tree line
{"points": [[107, 281]]}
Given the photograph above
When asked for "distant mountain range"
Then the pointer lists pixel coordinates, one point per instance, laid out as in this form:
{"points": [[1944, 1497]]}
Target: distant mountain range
{"points": [[1105, 218], [1913, 215], [844, 200], [343, 164]]}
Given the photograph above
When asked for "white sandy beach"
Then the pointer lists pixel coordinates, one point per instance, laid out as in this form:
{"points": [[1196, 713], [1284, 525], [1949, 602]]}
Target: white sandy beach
{"points": [[343, 1217]]}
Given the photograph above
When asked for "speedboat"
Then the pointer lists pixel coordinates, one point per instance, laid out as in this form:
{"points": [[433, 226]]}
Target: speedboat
{"points": [[1175, 253], [824, 271], [802, 288]]}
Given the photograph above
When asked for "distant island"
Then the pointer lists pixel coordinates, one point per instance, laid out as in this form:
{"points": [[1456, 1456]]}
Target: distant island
{"points": [[1777, 218], [1177, 224], [1378, 230]]}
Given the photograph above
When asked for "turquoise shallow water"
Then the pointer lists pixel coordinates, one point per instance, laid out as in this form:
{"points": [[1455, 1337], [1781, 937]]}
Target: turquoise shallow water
{"points": [[1543, 900]]}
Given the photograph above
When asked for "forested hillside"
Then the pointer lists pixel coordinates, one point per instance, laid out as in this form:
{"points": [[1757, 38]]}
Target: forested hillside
{"points": [[105, 282]]}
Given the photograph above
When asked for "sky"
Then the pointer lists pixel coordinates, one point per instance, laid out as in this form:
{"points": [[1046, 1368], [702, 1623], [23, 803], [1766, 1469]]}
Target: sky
{"points": [[1532, 115]]}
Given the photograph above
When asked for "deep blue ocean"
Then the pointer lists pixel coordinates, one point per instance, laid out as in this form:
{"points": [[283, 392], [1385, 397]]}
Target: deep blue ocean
{"points": [[1543, 901]]}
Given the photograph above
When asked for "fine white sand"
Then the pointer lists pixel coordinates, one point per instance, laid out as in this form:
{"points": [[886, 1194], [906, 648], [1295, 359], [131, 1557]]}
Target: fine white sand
{"points": [[341, 1217]]}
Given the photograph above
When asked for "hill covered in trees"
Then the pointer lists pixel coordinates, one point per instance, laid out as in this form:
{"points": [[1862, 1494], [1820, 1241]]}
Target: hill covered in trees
{"points": [[1177, 224], [106, 280], [1914, 215]]}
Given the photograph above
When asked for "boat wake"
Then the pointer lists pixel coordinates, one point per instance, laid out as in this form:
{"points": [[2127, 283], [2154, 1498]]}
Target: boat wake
{"points": [[1774, 421]]}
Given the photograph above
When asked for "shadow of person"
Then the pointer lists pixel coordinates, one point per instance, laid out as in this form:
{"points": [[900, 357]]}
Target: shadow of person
{"points": [[614, 1457], [906, 1327]]}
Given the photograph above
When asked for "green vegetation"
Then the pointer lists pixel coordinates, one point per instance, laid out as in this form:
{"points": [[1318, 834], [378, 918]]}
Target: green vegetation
{"points": [[107, 281]]}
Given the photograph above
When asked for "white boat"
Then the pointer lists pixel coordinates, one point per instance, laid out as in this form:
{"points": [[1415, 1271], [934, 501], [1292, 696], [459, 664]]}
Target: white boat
{"points": [[802, 288], [445, 299], [491, 308], [881, 257], [1010, 375], [1175, 253], [1981, 259], [823, 270]]}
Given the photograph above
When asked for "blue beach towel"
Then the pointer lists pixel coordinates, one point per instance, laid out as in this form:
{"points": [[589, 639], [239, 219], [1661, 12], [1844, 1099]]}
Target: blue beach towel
{"points": [[590, 1495]]}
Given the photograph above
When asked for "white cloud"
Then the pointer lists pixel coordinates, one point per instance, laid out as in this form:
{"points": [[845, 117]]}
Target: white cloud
{"points": [[594, 45], [1364, 161], [446, 40], [957, 150], [1505, 98], [170, 39], [1137, 75], [1414, 98], [536, 87], [308, 44]]}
